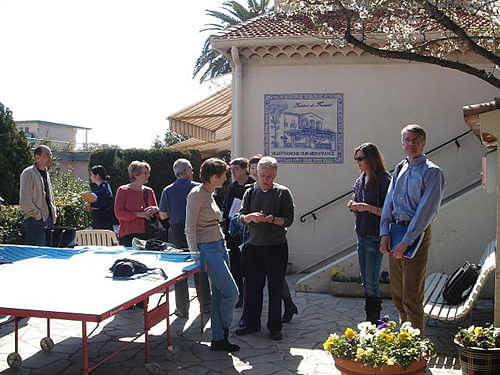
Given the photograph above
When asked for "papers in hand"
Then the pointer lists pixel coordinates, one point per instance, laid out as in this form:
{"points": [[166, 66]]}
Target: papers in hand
{"points": [[235, 207], [397, 232], [88, 197]]}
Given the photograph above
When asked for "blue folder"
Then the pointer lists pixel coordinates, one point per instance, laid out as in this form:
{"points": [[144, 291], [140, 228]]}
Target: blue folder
{"points": [[397, 232]]}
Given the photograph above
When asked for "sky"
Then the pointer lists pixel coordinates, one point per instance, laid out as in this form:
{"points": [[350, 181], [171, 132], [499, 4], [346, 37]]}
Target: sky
{"points": [[120, 67]]}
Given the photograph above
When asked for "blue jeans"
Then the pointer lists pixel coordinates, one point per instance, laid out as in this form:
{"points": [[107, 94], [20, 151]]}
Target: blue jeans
{"points": [[214, 258], [35, 231], [370, 262]]}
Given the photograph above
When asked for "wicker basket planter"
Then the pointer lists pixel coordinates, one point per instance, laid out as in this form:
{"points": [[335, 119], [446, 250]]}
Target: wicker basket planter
{"points": [[477, 361]]}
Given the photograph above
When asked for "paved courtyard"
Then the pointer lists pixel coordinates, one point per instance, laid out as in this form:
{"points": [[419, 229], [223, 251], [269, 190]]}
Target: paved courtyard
{"points": [[300, 351]]}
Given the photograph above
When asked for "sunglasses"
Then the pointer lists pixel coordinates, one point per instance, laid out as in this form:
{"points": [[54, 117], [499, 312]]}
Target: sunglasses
{"points": [[359, 158]]}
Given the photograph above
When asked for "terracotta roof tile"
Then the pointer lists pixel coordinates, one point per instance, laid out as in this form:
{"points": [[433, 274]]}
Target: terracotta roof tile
{"points": [[278, 25]]}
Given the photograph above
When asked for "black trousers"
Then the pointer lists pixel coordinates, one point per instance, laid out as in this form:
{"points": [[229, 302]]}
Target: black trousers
{"points": [[265, 262]]}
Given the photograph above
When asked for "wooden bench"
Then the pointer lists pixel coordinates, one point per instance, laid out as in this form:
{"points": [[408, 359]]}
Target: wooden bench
{"points": [[434, 305]]}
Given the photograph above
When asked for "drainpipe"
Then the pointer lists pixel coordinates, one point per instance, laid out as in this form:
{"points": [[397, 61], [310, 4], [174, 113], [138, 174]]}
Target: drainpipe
{"points": [[236, 100]]}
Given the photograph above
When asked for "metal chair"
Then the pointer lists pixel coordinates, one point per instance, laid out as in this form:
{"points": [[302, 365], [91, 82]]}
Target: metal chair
{"points": [[96, 237]]}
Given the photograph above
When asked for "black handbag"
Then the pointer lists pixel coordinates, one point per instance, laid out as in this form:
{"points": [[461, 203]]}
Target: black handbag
{"points": [[154, 228]]}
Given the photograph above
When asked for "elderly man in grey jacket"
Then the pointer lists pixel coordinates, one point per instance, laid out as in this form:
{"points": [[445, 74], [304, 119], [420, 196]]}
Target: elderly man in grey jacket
{"points": [[36, 198]]}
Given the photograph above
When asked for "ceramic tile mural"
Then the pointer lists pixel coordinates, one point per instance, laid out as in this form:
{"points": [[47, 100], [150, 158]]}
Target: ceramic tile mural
{"points": [[304, 128]]}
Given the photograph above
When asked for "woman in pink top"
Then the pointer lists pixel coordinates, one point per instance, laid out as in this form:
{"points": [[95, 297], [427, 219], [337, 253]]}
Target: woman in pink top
{"points": [[131, 209]]}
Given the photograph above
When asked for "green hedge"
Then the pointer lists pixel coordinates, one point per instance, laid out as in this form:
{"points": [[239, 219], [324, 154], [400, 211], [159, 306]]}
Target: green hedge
{"points": [[66, 188], [116, 162], [68, 214], [69, 206]]}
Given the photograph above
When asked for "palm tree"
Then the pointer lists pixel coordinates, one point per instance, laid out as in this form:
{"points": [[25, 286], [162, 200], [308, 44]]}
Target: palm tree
{"points": [[232, 14]]}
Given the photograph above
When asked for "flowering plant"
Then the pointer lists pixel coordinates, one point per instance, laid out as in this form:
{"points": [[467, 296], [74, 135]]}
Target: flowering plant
{"points": [[479, 337], [381, 345]]}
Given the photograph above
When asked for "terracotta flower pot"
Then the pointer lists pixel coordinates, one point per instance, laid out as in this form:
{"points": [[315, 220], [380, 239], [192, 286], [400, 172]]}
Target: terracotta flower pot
{"points": [[348, 367], [475, 361]]}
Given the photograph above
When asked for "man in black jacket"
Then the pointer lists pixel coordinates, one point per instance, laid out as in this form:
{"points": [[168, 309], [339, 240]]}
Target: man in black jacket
{"points": [[231, 207]]}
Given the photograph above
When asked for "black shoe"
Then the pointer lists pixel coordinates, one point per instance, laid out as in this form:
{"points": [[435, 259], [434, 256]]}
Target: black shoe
{"points": [[246, 331], [276, 335], [290, 310], [223, 346], [181, 314]]}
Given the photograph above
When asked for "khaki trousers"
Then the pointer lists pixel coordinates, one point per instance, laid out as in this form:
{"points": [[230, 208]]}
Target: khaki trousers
{"points": [[408, 283]]}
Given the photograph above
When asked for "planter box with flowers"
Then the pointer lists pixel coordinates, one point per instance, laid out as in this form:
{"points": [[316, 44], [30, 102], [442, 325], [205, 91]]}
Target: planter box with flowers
{"points": [[341, 286], [380, 349], [479, 350]]}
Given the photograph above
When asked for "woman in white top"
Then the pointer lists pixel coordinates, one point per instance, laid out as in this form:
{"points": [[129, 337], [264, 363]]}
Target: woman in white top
{"points": [[204, 235]]}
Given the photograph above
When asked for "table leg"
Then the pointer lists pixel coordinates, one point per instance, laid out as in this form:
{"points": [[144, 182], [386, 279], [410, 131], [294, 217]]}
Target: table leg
{"points": [[146, 330], [200, 299], [16, 334], [167, 298], [85, 352]]}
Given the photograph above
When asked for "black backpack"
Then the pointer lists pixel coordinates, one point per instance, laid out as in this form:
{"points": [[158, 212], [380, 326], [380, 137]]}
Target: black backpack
{"points": [[460, 283], [128, 267]]}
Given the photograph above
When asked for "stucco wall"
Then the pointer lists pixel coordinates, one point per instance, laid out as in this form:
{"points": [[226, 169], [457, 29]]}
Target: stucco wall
{"points": [[379, 100], [461, 232]]}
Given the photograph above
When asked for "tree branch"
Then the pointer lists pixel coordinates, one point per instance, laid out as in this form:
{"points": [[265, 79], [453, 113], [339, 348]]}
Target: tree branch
{"points": [[444, 20], [410, 56]]}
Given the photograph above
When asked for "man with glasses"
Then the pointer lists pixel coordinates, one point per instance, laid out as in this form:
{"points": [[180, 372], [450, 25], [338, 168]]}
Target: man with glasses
{"points": [[173, 206], [413, 201]]}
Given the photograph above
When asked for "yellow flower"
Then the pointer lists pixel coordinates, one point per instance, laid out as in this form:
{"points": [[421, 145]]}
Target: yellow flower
{"points": [[389, 337], [349, 333], [335, 274], [478, 331], [328, 343], [404, 336], [391, 361]]}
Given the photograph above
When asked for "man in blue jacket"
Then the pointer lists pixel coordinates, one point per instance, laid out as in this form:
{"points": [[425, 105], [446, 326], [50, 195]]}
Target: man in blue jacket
{"points": [[173, 206]]}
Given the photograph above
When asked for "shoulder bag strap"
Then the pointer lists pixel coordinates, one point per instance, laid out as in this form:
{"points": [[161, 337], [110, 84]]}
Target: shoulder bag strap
{"points": [[145, 196]]}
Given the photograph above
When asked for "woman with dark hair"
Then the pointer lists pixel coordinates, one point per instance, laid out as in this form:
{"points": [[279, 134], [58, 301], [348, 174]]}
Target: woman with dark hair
{"points": [[367, 201], [102, 208], [135, 203], [204, 235]]}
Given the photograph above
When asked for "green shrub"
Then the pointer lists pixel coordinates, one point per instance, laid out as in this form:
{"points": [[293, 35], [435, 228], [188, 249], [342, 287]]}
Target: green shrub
{"points": [[69, 206], [11, 228]]}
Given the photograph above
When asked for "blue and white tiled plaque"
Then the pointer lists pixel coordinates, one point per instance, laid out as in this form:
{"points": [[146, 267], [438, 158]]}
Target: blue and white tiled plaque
{"points": [[304, 128]]}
